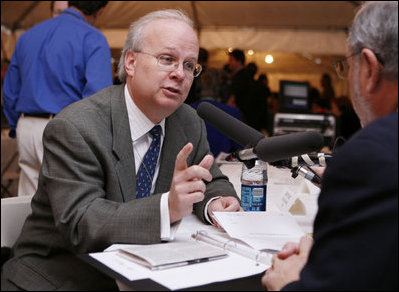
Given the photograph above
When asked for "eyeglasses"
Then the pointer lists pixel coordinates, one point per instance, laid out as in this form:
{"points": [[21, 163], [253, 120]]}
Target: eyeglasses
{"points": [[342, 67], [169, 63]]}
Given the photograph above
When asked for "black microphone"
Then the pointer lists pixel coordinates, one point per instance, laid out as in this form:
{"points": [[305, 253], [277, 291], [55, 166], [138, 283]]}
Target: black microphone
{"points": [[266, 149], [229, 125], [278, 148]]}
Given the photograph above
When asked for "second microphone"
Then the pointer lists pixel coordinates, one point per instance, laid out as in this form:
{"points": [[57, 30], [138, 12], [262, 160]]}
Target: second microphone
{"points": [[266, 149]]}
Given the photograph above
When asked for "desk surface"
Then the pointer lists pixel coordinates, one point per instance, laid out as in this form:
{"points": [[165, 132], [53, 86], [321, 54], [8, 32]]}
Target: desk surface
{"points": [[251, 283], [279, 181]]}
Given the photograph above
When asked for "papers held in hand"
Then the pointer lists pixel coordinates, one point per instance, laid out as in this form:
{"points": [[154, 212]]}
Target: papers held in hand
{"points": [[172, 254]]}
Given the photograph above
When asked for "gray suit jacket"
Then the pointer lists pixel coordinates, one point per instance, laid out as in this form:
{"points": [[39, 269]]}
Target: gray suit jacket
{"points": [[86, 195]]}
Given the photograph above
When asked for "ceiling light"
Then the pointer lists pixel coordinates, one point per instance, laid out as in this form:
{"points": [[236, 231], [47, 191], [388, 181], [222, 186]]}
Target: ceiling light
{"points": [[269, 59]]}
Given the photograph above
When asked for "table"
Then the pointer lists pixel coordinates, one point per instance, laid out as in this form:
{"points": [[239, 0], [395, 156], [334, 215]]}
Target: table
{"points": [[280, 181]]}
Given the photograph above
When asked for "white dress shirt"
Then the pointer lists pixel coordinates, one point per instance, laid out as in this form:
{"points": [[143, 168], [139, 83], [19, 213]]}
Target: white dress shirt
{"points": [[140, 126]]}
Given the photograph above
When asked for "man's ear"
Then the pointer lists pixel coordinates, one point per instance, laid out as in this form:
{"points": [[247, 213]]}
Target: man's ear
{"points": [[372, 69], [130, 59]]}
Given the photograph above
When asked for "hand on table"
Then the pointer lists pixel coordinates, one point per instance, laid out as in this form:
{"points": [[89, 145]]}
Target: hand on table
{"points": [[223, 204], [287, 264]]}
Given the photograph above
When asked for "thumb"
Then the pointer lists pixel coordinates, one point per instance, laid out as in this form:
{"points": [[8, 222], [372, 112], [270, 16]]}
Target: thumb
{"points": [[207, 161], [181, 158]]}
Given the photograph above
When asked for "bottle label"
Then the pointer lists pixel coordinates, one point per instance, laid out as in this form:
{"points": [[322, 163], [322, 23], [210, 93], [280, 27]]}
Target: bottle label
{"points": [[253, 197]]}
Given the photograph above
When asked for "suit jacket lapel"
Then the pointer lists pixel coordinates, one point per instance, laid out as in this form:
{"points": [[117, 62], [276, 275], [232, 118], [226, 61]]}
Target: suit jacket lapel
{"points": [[122, 145]]}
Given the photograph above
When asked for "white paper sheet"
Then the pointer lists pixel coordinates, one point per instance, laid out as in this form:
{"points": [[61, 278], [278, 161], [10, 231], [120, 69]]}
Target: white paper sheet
{"points": [[261, 230], [232, 267]]}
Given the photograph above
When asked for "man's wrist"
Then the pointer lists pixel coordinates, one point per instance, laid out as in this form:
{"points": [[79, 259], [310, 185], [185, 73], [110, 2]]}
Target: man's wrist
{"points": [[206, 209]]}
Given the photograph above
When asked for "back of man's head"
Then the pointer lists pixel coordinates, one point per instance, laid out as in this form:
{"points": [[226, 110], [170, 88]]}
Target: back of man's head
{"points": [[376, 27], [88, 7], [252, 69], [238, 55]]}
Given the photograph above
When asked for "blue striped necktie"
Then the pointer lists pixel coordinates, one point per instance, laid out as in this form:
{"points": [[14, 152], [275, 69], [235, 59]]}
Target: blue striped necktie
{"points": [[147, 168]]}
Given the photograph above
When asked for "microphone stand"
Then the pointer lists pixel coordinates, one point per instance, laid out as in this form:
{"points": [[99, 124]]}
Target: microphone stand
{"points": [[234, 156], [307, 173]]}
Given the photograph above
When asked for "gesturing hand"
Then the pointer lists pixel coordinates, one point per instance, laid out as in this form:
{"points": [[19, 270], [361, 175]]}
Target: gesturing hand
{"points": [[187, 186]]}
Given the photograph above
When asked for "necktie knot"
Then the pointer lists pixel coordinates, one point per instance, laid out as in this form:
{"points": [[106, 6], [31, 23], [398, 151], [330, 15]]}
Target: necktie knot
{"points": [[155, 132]]}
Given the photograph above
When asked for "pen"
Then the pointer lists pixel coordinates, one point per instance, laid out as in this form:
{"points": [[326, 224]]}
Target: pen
{"points": [[185, 263]]}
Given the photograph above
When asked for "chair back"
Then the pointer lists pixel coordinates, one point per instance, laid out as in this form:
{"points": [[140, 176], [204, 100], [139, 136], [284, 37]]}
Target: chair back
{"points": [[14, 211]]}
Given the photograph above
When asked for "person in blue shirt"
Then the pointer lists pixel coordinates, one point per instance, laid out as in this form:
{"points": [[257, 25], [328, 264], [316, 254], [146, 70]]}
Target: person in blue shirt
{"points": [[55, 63]]}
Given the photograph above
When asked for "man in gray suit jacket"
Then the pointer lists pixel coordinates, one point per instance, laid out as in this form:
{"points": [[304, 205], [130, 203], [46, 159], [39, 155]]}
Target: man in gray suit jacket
{"points": [[86, 198]]}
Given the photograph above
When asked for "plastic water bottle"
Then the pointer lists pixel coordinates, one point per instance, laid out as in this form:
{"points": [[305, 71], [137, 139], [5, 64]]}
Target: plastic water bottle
{"points": [[254, 186]]}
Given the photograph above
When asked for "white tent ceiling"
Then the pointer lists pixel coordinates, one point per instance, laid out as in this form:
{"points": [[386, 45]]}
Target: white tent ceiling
{"points": [[299, 32], [306, 26]]}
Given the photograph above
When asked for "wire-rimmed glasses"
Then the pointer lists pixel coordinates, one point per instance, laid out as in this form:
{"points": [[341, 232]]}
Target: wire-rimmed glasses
{"points": [[169, 63], [342, 67]]}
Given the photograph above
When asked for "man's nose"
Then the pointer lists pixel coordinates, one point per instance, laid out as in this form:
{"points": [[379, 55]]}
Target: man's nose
{"points": [[179, 71]]}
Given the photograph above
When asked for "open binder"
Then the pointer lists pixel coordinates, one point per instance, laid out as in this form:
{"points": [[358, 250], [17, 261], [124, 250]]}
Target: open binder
{"points": [[241, 260]]}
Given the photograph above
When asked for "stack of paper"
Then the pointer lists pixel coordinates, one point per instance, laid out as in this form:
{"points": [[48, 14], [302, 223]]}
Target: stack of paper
{"points": [[261, 230]]}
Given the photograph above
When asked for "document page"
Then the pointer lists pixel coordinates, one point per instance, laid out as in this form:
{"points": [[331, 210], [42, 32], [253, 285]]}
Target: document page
{"points": [[261, 230]]}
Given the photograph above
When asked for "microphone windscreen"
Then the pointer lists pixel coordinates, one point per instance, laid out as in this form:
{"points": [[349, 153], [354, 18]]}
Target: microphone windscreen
{"points": [[229, 125], [289, 145]]}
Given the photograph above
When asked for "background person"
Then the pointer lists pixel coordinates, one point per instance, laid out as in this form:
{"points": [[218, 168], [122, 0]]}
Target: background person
{"points": [[356, 228], [90, 193], [55, 63], [327, 93], [347, 122], [207, 90], [240, 81]]}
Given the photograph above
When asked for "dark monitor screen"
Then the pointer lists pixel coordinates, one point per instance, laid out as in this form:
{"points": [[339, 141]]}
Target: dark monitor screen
{"points": [[294, 96]]}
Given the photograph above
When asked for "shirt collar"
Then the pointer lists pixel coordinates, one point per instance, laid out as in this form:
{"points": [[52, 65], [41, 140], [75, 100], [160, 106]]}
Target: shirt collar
{"points": [[75, 13], [139, 123]]}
